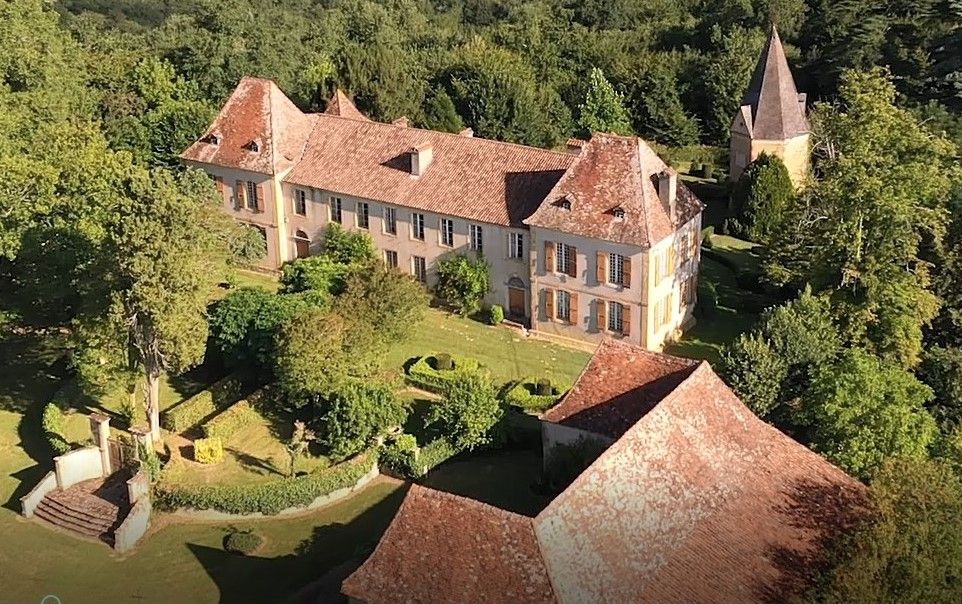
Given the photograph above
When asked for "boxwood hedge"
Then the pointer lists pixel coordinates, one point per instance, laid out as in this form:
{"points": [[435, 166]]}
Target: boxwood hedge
{"points": [[54, 423], [523, 395], [266, 497], [424, 373], [236, 417], [404, 457], [202, 405]]}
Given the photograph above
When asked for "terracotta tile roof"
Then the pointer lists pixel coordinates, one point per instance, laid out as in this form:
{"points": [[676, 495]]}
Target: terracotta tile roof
{"points": [[620, 384], [477, 179], [615, 172], [441, 548], [256, 113], [342, 106], [777, 110], [700, 501]]}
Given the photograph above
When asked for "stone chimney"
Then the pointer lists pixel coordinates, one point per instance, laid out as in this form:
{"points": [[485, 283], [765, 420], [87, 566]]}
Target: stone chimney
{"points": [[421, 157], [668, 189], [402, 121], [468, 132]]}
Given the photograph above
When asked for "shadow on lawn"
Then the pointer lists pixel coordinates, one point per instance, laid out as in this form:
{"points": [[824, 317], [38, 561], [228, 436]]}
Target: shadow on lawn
{"points": [[313, 573]]}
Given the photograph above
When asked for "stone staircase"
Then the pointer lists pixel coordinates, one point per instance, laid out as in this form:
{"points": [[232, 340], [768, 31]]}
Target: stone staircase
{"points": [[91, 508]]}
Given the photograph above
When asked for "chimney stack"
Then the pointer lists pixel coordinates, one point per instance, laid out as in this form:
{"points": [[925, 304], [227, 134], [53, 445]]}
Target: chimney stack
{"points": [[668, 189], [421, 157]]}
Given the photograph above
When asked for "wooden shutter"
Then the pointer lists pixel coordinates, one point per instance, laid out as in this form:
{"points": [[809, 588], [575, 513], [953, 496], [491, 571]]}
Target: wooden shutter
{"points": [[549, 250], [601, 310], [626, 272], [573, 258], [549, 303], [601, 268], [625, 319], [263, 196], [219, 182], [240, 193], [573, 309]]}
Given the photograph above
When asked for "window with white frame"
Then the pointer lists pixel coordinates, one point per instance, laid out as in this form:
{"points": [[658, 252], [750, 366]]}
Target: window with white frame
{"points": [[390, 220], [417, 226], [515, 245], [300, 202], [562, 305], [363, 216], [419, 268], [616, 269], [447, 232], [476, 239], [337, 207], [253, 203], [390, 258], [615, 316], [565, 258]]}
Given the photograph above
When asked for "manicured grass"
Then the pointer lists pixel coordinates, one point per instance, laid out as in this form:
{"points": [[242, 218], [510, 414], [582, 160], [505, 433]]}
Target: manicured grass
{"points": [[506, 353]]}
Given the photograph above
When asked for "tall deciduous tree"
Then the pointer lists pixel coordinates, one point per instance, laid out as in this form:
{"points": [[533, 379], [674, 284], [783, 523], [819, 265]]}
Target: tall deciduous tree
{"points": [[463, 282], [356, 414], [764, 199], [163, 253], [468, 411], [603, 109]]}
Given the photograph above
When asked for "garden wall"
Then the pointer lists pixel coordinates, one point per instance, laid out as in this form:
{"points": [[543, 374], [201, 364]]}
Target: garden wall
{"points": [[78, 466], [30, 501], [134, 526]]}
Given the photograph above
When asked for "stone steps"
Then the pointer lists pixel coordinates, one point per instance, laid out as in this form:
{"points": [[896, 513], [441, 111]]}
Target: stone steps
{"points": [[99, 522], [62, 510], [74, 526]]}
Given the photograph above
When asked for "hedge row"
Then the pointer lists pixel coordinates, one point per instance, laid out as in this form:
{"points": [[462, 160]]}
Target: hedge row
{"points": [[204, 404], [405, 458], [236, 417], [266, 498], [423, 374], [522, 395], [54, 423]]}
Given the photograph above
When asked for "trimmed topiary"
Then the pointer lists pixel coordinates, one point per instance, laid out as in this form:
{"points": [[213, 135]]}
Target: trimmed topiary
{"points": [[242, 542], [496, 315], [543, 387], [208, 450], [443, 362]]}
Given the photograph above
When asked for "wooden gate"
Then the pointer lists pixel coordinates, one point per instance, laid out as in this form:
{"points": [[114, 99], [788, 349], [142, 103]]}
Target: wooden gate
{"points": [[117, 454]]}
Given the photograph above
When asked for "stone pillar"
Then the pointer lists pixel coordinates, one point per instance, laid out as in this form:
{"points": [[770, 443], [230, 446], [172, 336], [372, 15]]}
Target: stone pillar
{"points": [[100, 426], [142, 438]]}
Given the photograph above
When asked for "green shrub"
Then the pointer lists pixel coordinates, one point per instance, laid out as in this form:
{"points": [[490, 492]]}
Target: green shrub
{"points": [[242, 542], [707, 299], [236, 417], [425, 375], [400, 455], [706, 237], [544, 387], [208, 450], [203, 405], [265, 497], [434, 454], [54, 423], [526, 394], [496, 314]]}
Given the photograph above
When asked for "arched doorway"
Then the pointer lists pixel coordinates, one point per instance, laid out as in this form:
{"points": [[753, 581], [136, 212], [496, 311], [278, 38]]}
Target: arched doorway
{"points": [[517, 306], [302, 244]]}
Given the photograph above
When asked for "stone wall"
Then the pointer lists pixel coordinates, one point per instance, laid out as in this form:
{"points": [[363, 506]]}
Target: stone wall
{"points": [[30, 501], [78, 466]]}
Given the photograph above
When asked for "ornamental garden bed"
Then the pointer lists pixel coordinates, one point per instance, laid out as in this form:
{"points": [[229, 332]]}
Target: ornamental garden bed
{"points": [[534, 395]]}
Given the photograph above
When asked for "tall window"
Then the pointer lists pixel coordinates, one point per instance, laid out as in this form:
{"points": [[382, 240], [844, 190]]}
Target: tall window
{"points": [[566, 259], [615, 317], [253, 203], [477, 243], [562, 305], [300, 202], [390, 258], [390, 220], [447, 232], [363, 214], [616, 269], [419, 268], [663, 311], [515, 245], [689, 290], [337, 207], [417, 226], [664, 264]]}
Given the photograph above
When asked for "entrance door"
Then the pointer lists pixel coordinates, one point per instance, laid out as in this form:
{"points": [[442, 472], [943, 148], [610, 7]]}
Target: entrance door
{"points": [[302, 244], [516, 306]]}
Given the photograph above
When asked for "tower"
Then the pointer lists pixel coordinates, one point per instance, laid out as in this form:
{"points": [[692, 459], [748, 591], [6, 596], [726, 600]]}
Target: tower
{"points": [[771, 118]]}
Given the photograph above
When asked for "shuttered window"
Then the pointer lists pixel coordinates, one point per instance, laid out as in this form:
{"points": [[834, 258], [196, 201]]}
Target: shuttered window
{"points": [[562, 305], [615, 313], [253, 203], [566, 259]]}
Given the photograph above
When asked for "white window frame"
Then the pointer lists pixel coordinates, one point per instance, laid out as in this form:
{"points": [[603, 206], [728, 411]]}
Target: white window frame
{"points": [[390, 220], [300, 200], [476, 238], [253, 203], [616, 269], [417, 226], [515, 245], [390, 255], [336, 210], [363, 210], [562, 257], [562, 300], [616, 317], [446, 232], [422, 274]]}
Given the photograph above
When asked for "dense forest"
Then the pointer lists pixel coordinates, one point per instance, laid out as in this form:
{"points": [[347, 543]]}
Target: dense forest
{"points": [[861, 357]]}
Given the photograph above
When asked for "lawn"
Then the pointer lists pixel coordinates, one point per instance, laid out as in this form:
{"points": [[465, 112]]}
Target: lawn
{"points": [[505, 352], [180, 562]]}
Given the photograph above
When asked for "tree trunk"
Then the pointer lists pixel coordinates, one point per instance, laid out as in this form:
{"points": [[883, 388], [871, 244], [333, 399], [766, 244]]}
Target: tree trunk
{"points": [[153, 405]]}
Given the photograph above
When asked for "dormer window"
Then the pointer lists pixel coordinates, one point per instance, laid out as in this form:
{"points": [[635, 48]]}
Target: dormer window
{"points": [[619, 213], [211, 139], [253, 147], [564, 203]]}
